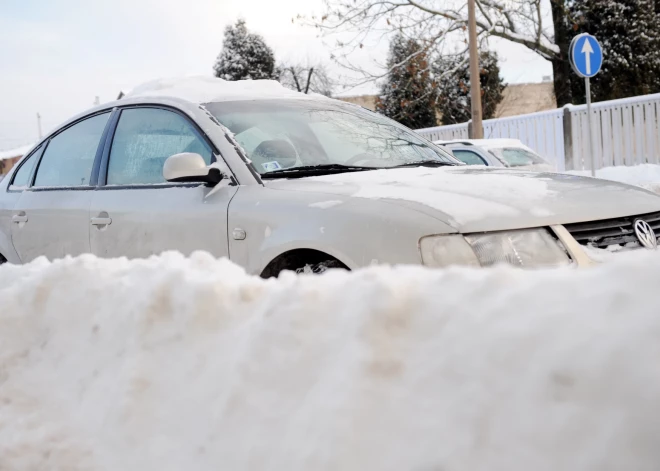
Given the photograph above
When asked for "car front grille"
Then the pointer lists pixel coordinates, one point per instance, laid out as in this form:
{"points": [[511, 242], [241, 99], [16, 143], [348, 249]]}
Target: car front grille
{"points": [[606, 232]]}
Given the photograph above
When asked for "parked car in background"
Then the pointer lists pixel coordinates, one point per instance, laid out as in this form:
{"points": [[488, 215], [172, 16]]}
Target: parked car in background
{"points": [[497, 153]]}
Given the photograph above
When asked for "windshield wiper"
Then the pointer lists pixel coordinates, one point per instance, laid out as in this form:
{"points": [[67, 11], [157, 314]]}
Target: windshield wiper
{"points": [[313, 170], [427, 163]]}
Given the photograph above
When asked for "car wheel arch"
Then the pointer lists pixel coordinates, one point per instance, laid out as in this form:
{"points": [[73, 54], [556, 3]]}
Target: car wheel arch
{"points": [[298, 258]]}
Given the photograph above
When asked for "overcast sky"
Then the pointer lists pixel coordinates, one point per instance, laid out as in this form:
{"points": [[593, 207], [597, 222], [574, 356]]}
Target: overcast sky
{"points": [[58, 55]]}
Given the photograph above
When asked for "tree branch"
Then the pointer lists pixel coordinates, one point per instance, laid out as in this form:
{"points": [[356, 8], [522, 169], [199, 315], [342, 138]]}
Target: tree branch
{"points": [[309, 79]]}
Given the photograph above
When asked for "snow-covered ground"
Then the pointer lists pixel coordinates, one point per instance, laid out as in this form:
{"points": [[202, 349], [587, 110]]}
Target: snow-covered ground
{"points": [[173, 363], [646, 175]]}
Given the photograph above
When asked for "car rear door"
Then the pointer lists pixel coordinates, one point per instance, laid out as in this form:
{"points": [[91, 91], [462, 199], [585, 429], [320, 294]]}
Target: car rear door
{"points": [[135, 212], [51, 217]]}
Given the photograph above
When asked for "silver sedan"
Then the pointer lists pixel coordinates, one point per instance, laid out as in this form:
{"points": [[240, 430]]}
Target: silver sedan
{"points": [[509, 153], [276, 180]]}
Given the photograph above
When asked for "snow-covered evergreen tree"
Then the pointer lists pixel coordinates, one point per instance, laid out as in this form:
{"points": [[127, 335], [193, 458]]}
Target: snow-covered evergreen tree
{"points": [[629, 32], [408, 94], [454, 102], [244, 56]]}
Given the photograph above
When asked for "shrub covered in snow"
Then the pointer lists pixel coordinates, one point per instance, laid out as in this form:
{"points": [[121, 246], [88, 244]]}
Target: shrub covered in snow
{"points": [[174, 363], [244, 56]]}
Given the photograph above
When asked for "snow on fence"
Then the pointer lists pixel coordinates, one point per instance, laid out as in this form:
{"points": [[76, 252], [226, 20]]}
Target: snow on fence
{"points": [[626, 132]]}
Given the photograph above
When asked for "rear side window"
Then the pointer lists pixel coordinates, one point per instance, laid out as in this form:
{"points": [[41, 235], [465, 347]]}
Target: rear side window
{"points": [[144, 139], [22, 176], [518, 157], [69, 157], [469, 157]]}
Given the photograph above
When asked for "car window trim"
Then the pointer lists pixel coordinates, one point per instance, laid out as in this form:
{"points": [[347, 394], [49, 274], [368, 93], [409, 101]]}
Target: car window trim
{"points": [[498, 158], [41, 148], [33, 176], [473, 152], [100, 151], [36, 189], [148, 186], [102, 182]]}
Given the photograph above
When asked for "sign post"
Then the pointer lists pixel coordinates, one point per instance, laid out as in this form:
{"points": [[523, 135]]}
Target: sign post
{"points": [[586, 57]]}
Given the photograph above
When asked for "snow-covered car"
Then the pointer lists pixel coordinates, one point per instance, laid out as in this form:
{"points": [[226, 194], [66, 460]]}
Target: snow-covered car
{"points": [[276, 180], [497, 153]]}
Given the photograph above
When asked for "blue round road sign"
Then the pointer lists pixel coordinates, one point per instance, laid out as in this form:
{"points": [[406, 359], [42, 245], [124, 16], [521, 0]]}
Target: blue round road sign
{"points": [[586, 55]]}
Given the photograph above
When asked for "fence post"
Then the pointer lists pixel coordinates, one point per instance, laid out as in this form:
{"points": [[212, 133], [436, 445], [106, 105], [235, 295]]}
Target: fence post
{"points": [[470, 131], [568, 139]]}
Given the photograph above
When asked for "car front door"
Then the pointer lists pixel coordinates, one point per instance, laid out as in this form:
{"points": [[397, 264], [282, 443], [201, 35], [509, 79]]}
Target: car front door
{"points": [[51, 216], [135, 212]]}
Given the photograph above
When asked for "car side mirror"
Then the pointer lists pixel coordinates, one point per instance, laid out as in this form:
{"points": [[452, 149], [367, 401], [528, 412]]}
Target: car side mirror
{"points": [[188, 167]]}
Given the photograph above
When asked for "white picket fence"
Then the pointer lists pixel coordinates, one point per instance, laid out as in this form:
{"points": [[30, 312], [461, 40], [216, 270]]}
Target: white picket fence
{"points": [[626, 132]]}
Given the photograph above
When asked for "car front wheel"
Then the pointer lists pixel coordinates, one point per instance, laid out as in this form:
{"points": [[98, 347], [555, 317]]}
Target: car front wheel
{"points": [[320, 267]]}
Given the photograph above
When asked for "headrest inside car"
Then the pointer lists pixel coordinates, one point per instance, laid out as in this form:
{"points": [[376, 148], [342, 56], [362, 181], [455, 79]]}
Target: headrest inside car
{"points": [[275, 150]]}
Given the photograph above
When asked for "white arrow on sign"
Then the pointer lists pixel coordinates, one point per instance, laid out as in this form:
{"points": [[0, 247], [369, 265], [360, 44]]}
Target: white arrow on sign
{"points": [[587, 51]]}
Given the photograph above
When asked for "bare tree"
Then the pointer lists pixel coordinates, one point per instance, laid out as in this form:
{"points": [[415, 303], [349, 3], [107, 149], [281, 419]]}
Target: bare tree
{"points": [[442, 24], [307, 78]]}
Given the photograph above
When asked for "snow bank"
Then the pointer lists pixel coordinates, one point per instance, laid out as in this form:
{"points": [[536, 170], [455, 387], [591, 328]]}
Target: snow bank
{"points": [[645, 175], [173, 363], [203, 89]]}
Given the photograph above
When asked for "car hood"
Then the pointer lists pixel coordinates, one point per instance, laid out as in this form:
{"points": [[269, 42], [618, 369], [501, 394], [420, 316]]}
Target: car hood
{"points": [[482, 199]]}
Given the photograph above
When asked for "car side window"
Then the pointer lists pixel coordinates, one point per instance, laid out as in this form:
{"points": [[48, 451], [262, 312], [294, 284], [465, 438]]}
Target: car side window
{"points": [[469, 157], [144, 139], [22, 176], [69, 156]]}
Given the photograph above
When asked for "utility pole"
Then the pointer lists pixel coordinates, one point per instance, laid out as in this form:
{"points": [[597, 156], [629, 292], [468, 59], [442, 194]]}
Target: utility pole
{"points": [[39, 125], [475, 82]]}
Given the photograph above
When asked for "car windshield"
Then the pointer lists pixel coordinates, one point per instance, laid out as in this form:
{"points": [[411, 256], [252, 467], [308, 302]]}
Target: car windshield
{"points": [[517, 157], [291, 134]]}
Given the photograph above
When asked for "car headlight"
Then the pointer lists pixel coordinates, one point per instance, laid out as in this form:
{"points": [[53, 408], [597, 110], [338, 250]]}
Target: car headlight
{"points": [[530, 248]]}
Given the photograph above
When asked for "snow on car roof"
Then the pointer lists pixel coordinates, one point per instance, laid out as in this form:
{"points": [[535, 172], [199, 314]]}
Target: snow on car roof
{"points": [[498, 143], [203, 89], [487, 144]]}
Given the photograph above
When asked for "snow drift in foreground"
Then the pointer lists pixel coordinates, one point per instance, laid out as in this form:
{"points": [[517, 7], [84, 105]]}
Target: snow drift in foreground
{"points": [[646, 175], [174, 363]]}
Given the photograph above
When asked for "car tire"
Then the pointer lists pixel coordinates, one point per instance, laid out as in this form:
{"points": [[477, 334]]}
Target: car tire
{"points": [[320, 267]]}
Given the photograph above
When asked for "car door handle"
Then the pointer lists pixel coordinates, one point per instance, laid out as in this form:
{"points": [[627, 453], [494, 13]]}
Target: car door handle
{"points": [[19, 218], [101, 221]]}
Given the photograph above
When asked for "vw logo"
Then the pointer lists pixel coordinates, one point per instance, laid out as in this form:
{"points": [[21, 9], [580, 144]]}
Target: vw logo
{"points": [[645, 234]]}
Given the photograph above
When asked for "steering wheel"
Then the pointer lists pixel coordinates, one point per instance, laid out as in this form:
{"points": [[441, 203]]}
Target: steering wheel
{"points": [[364, 156]]}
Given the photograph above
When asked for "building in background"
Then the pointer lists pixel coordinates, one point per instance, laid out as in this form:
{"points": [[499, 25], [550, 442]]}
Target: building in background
{"points": [[524, 98], [8, 158]]}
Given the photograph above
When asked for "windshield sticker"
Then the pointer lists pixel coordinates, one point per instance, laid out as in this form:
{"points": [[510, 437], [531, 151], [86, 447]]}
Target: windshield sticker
{"points": [[270, 166]]}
